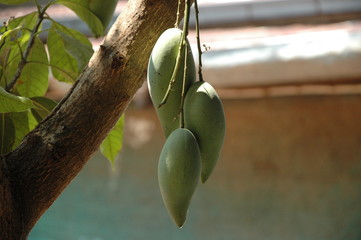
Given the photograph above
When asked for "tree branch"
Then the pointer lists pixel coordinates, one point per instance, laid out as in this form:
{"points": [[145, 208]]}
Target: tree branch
{"points": [[57, 149], [8, 211]]}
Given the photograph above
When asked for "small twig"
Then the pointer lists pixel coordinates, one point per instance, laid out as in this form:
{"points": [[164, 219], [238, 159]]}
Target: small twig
{"points": [[198, 42], [181, 47], [26, 53], [6, 24]]}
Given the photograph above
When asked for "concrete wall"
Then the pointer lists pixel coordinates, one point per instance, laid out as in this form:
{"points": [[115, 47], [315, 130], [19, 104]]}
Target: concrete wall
{"points": [[290, 170]]}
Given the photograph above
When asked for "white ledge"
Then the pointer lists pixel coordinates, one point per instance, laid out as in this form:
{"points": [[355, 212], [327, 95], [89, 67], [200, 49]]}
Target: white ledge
{"points": [[330, 54]]}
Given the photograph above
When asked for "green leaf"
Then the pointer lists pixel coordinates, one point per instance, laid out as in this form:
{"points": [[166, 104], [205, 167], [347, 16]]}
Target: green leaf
{"points": [[10, 54], [10, 57], [4, 57], [8, 33], [69, 50], [103, 11], [43, 107], [12, 103], [13, 2], [4, 54], [21, 123], [73, 33], [7, 134], [112, 144], [31, 120], [34, 78], [63, 66], [27, 21], [77, 50], [81, 8]]}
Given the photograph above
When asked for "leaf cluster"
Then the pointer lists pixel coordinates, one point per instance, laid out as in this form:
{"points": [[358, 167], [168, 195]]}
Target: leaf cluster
{"points": [[26, 62]]}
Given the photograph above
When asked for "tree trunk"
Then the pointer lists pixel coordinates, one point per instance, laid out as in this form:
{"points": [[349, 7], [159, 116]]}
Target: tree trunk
{"points": [[34, 174]]}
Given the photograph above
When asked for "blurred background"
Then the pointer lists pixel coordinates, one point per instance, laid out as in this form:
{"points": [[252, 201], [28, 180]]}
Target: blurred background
{"points": [[289, 75]]}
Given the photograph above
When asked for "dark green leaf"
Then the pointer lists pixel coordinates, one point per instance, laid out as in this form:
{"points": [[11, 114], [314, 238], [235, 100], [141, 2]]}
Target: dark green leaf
{"points": [[10, 57], [34, 78], [21, 123], [63, 66], [76, 49], [3, 60], [4, 55], [7, 134], [13, 103], [31, 120], [13, 2], [1, 73], [112, 144], [103, 11], [43, 107], [73, 33], [81, 8], [69, 50]]}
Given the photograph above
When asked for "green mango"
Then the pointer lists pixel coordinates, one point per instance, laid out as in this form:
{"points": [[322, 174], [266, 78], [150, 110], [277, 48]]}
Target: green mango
{"points": [[178, 173], [104, 10], [160, 70], [204, 117]]}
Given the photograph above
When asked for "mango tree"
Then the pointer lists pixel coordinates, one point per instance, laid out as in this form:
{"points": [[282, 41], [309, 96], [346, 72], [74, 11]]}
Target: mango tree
{"points": [[36, 166]]}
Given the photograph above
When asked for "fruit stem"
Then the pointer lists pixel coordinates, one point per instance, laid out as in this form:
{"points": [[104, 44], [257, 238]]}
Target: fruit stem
{"points": [[198, 42], [172, 81], [185, 34], [181, 47], [178, 12], [183, 86], [187, 10]]}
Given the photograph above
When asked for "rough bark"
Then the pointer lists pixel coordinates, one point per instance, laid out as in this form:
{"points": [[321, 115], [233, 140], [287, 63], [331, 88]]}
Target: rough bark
{"points": [[34, 175]]}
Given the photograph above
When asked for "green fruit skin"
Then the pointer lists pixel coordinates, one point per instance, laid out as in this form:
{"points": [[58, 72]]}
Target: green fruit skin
{"points": [[178, 173], [160, 70], [104, 10], [204, 117]]}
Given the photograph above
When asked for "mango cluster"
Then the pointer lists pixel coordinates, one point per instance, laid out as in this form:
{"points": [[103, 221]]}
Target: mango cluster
{"points": [[191, 151]]}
